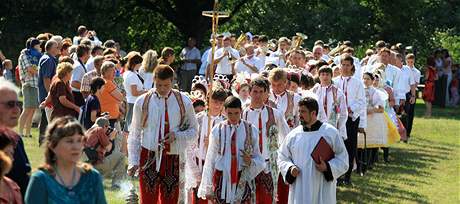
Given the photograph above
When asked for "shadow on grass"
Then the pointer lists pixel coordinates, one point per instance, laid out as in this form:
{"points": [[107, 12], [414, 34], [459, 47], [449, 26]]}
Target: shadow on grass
{"points": [[409, 168]]}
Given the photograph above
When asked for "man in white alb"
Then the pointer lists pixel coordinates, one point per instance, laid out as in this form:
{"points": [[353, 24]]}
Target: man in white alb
{"points": [[311, 181]]}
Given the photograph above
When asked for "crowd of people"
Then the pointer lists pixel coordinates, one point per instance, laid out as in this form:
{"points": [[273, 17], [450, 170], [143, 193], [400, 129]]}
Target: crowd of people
{"points": [[270, 122]]}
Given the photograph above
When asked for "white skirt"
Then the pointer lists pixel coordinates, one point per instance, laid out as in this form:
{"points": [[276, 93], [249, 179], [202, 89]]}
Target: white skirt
{"points": [[376, 132]]}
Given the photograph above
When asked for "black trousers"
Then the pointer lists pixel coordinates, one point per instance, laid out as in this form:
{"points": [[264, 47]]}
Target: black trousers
{"points": [[78, 97], [408, 119], [42, 127], [351, 144]]}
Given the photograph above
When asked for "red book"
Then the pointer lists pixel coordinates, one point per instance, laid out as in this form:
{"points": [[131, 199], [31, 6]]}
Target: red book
{"points": [[323, 150]]}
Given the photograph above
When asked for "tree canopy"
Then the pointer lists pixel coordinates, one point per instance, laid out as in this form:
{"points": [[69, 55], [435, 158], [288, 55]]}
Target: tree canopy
{"points": [[144, 24]]}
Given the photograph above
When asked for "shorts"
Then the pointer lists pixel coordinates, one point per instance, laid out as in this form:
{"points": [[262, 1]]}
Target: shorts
{"points": [[30, 97]]}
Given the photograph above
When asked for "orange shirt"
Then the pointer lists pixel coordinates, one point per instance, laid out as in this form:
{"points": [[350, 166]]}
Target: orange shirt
{"points": [[108, 102]]}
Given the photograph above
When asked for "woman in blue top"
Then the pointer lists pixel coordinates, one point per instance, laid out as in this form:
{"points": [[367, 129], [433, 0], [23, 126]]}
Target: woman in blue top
{"points": [[63, 179]]}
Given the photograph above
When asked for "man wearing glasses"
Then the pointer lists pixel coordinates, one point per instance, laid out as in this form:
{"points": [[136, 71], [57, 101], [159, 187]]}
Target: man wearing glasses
{"points": [[10, 109]]}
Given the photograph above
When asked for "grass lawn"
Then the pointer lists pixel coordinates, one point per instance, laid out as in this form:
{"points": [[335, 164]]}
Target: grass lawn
{"points": [[425, 170]]}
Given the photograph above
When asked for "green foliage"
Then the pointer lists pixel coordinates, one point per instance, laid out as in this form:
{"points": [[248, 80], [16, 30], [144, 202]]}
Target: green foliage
{"points": [[450, 42], [145, 24]]}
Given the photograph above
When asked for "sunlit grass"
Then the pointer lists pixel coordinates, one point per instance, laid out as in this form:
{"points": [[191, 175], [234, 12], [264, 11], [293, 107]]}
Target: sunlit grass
{"points": [[425, 170]]}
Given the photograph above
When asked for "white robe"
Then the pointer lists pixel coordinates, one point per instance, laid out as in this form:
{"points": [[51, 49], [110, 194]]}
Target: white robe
{"points": [[339, 119], [281, 102], [222, 162], [197, 149], [310, 186]]}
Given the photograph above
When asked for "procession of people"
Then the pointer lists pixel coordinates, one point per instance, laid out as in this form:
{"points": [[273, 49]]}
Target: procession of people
{"points": [[255, 120]]}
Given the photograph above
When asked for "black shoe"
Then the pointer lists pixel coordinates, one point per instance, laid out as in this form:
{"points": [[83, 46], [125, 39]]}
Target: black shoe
{"points": [[348, 183], [115, 187], [340, 182]]}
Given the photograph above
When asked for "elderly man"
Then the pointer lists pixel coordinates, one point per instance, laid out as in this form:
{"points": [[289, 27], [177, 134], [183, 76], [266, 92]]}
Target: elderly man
{"points": [[317, 52], [249, 63], [46, 70], [9, 115], [224, 58]]}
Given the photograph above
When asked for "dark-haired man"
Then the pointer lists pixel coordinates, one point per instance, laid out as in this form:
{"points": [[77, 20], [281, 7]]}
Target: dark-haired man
{"points": [[311, 181], [79, 70], [272, 129], [163, 124], [355, 99]]}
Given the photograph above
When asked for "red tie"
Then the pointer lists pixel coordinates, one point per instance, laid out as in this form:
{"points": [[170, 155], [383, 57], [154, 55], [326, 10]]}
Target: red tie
{"points": [[260, 132], [345, 89], [234, 164], [325, 101], [167, 145]]}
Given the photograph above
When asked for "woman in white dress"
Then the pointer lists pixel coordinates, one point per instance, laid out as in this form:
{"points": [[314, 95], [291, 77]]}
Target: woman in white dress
{"points": [[376, 130]]}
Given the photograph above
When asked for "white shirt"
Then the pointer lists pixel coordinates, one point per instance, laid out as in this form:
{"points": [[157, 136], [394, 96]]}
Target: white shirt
{"points": [[148, 78], [90, 64], [198, 150], [77, 73], [224, 66], [262, 53], [310, 186], [147, 137], [279, 58], [337, 118], [253, 61], [190, 54], [406, 79], [392, 75], [326, 58], [281, 102], [219, 158], [204, 62], [130, 78], [417, 74], [355, 97], [252, 115]]}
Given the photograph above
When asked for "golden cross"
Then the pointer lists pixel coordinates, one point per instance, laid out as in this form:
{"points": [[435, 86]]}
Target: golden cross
{"points": [[215, 15]]}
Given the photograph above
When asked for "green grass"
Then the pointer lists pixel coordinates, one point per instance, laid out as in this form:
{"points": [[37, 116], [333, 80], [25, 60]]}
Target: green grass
{"points": [[425, 170]]}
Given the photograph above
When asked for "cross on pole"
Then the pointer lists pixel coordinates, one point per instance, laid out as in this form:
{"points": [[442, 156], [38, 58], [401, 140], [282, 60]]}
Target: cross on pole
{"points": [[215, 15]]}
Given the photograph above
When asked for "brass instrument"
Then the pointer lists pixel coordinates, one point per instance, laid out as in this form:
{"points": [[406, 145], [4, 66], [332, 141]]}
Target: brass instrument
{"points": [[298, 40], [240, 40], [337, 50]]}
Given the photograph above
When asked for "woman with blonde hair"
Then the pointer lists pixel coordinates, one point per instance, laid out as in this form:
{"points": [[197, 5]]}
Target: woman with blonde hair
{"points": [[63, 178], [61, 95], [149, 62]]}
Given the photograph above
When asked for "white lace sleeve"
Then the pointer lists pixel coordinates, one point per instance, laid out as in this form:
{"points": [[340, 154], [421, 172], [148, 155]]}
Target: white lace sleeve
{"points": [[184, 137], [206, 185], [258, 161], [135, 131]]}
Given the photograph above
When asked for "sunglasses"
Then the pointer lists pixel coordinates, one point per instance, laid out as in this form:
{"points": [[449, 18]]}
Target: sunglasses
{"points": [[12, 104]]}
